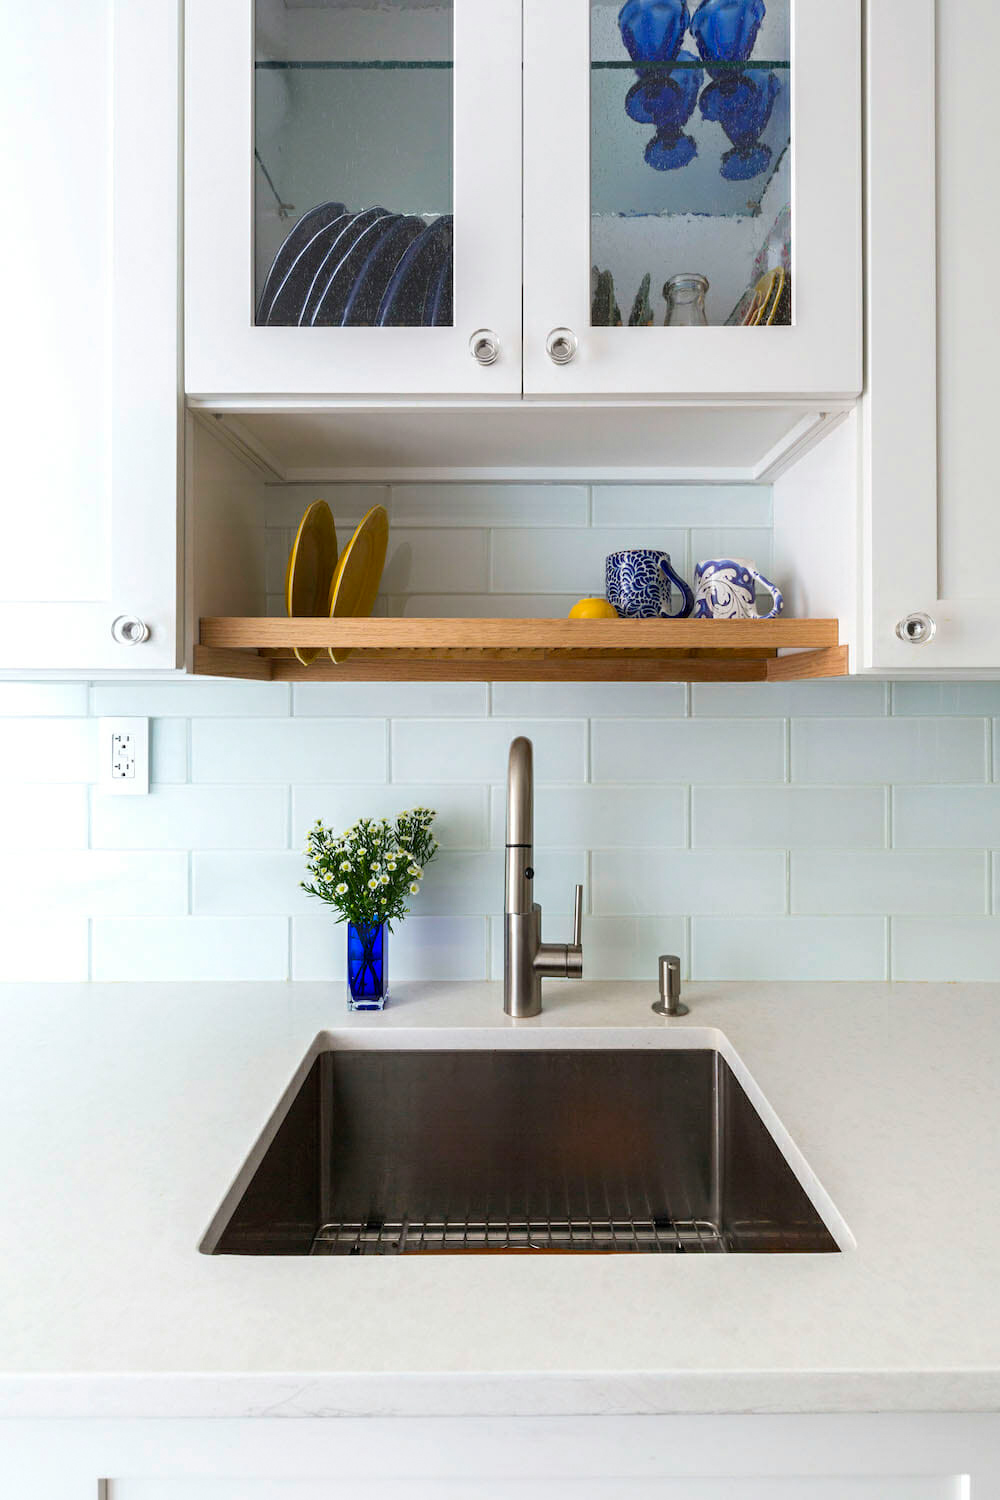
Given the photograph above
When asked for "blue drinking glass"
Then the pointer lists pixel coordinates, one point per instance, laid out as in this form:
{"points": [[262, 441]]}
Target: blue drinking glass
{"points": [[653, 30], [742, 104], [726, 30]]}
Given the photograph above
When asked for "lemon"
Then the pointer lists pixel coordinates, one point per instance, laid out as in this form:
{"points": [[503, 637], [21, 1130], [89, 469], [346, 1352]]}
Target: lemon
{"points": [[593, 609]]}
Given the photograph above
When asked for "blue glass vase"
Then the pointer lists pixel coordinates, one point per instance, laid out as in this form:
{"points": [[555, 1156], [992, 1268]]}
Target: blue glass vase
{"points": [[367, 971]]}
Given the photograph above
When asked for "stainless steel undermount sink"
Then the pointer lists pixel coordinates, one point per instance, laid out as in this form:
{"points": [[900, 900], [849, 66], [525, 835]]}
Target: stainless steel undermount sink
{"points": [[529, 1146]]}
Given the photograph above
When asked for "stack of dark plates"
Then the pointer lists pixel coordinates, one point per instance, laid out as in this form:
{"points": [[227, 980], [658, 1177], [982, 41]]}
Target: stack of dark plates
{"points": [[372, 269]]}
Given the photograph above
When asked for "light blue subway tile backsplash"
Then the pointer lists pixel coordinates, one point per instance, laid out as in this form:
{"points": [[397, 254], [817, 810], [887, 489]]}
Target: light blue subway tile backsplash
{"points": [[397, 700], [572, 562], [190, 948], [682, 505], [191, 817], [602, 817], [590, 700], [824, 697], [892, 883], [42, 699], [688, 750], [736, 947], [789, 817], [42, 817], [39, 946], [695, 881], [945, 817], [492, 505], [476, 750], [461, 821], [950, 949], [891, 750], [837, 829], [946, 698], [287, 750]]}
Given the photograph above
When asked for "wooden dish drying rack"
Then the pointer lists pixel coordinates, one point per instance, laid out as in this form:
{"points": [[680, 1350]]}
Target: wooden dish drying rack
{"points": [[433, 650]]}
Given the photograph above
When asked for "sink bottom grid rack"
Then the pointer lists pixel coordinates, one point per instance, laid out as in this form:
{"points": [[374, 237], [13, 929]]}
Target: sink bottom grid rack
{"points": [[488, 1236]]}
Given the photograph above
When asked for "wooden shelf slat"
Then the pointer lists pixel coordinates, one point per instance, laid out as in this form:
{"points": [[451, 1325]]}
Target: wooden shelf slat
{"points": [[538, 635]]}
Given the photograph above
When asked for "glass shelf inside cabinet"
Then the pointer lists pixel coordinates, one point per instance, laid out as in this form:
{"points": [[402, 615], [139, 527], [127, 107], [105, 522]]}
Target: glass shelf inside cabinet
{"points": [[353, 148], [691, 157]]}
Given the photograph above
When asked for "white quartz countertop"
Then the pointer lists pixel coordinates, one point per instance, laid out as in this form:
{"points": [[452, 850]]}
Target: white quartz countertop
{"points": [[126, 1111]]}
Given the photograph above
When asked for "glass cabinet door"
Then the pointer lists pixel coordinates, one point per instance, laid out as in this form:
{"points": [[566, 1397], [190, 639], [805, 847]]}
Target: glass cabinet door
{"points": [[353, 196], [708, 194]]}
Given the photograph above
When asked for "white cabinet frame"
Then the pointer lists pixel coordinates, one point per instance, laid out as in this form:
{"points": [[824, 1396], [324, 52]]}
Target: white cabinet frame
{"points": [[225, 353], [821, 353]]}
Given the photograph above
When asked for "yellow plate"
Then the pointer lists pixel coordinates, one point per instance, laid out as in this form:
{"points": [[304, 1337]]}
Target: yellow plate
{"points": [[359, 573], [311, 566]]}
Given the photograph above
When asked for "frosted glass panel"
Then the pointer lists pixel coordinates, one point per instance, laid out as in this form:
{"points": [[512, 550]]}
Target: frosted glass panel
{"points": [[353, 148], [690, 162]]}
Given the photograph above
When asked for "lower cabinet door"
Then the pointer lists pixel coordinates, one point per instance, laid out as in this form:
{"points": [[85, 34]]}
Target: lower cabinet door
{"points": [[884, 1487]]}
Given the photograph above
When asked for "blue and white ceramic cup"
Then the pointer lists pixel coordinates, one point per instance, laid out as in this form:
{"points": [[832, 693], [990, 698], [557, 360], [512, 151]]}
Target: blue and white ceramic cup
{"points": [[638, 583], [725, 588]]}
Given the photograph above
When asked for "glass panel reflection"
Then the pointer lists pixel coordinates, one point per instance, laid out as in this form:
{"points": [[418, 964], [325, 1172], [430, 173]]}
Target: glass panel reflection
{"points": [[353, 147], [690, 162]]}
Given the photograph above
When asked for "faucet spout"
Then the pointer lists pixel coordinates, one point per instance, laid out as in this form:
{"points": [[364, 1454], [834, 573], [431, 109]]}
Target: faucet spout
{"points": [[527, 960]]}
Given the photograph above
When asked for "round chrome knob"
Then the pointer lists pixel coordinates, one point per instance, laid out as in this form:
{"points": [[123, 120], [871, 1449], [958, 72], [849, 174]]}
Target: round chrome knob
{"points": [[916, 629], [561, 345], [129, 630], [484, 346]]}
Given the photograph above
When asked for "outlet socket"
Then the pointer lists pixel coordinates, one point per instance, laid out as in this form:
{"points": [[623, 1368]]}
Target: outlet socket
{"points": [[123, 757]]}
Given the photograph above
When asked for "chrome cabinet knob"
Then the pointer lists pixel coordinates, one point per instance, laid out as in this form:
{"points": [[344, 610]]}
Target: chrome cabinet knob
{"points": [[916, 629], [561, 345], [129, 630], [484, 346]]}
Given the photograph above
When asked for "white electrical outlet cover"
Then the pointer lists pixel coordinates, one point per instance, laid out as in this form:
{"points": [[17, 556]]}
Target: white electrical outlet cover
{"points": [[123, 757]]}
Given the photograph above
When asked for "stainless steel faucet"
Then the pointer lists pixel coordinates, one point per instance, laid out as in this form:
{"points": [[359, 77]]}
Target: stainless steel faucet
{"points": [[526, 959]]}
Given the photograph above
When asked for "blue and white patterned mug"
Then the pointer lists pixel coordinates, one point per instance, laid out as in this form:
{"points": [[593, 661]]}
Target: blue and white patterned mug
{"points": [[725, 588], [638, 583]]}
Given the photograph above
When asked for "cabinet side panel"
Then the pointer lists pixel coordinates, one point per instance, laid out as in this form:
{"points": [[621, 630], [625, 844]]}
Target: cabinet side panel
{"points": [[815, 532]]}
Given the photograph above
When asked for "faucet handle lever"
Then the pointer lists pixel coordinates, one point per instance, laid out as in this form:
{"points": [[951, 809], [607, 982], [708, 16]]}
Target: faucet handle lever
{"points": [[578, 918]]}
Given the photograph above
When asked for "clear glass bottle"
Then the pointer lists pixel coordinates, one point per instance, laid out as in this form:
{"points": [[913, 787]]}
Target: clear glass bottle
{"points": [[685, 296]]}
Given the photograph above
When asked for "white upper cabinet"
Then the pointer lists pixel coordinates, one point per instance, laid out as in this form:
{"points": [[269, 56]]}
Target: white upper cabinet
{"points": [[353, 197], [358, 203], [90, 337], [676, 156], [931, 518]]}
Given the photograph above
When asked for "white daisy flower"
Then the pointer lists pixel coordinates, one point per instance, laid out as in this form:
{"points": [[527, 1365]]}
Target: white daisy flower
{"points": [[340, 890], [345, 864], [383, 880], [414, 889], [373, 884]]}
